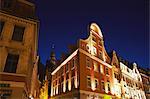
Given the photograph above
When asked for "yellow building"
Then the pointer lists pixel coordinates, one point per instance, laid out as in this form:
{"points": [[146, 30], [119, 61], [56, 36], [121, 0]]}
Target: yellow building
{"points": [[18, 49], [44, 90]]}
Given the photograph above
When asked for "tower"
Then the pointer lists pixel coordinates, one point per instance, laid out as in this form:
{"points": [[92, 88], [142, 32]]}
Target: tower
{"points": [[50, 66]]}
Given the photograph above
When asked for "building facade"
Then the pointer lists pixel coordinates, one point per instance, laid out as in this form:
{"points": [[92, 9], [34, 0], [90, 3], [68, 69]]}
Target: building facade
{"points": [[117, 75], [90, 72], [18, 49], [132, 85], [87, 72], [145, 74]]}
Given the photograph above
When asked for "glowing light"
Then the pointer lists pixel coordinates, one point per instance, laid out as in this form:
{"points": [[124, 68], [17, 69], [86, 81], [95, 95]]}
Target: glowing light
{"points": [[96, 29], [64, 62], [64, 85], [69, 82]]}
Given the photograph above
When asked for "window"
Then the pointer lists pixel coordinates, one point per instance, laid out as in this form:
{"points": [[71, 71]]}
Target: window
{"points": [[88, 81], [73, 63], [72, 82], [11, 63], [100, 42], [1, 26], [103, 86], [102, 69], [94, 50], [128, 70], [66, 67], [88, 62], [107, 72], [95, 67], [18, 33], [100, 55], [7, 3], [5, 93], [108, 87], [87, 47], [96, 83]]}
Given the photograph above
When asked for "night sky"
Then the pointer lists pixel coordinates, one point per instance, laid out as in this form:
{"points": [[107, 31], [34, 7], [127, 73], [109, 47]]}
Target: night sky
{"points": [[124, 24]]}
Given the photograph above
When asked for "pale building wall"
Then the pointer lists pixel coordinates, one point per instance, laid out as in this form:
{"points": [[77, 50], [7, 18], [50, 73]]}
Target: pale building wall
{"points": [[27, 49]]}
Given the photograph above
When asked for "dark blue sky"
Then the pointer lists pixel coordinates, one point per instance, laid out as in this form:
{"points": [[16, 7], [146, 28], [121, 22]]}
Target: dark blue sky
{"points": [[124, 24]]}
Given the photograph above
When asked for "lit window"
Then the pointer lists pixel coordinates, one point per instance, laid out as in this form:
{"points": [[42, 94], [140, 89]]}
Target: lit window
{"points": [[95, 67], [11, 63], [94, 50], [88, 62], [102, 69], [96, 83], [18, 33], [88, 82], [1, 27]]}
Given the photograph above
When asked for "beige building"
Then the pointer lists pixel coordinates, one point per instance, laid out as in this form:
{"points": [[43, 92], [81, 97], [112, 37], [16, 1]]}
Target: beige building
{"points": [[145, 74], [18, 49], [131, 82]]}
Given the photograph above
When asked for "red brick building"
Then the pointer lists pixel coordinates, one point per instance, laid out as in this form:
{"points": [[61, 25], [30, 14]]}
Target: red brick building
{"points": [[87, 72]]}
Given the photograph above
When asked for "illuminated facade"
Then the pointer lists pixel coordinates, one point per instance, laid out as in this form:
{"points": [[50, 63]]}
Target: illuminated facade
{"points": [[90, 73], [117, 88], [132, 86], [87, 72], [145, 74], [18, 50]]}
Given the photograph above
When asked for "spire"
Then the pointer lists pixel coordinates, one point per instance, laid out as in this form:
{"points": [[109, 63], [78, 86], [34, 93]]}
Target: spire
{"points": [[52, 55]]}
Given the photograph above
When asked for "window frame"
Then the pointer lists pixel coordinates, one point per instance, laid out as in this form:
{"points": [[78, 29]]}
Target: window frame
{"points": [[88, 78], [11, 63], [18, 30], [88, 62]]}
